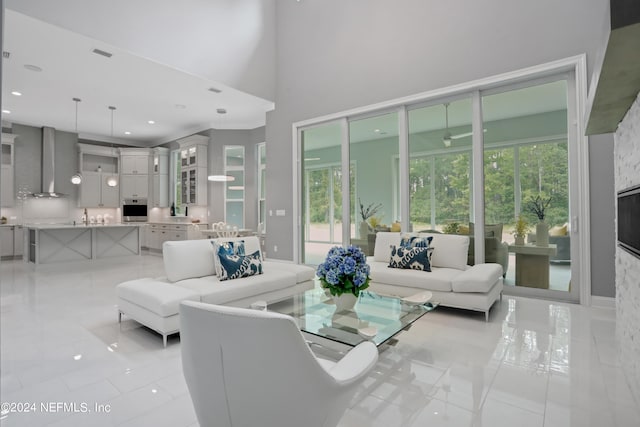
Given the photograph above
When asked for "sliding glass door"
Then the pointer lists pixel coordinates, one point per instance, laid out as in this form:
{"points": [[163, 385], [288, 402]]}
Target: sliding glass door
{"points": [[526, 180], [482, 163], [321, 191], [373, 148], [440, 167]]}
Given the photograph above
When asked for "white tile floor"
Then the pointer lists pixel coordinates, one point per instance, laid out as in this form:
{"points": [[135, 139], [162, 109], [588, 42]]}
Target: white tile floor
{"points": [[536, 363]]}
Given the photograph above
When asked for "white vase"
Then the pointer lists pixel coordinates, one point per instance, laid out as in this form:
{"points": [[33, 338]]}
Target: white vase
{"points": [[542, 234], [345, 302], [364, 229]]}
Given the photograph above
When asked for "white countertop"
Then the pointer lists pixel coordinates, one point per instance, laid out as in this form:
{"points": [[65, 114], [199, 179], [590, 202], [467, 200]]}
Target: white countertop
{"points": [[176, 223], [63, 226]]}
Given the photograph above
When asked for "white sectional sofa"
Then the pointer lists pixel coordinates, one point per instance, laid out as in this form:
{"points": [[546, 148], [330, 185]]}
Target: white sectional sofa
{"points": [[452, 282], [190, 275]]}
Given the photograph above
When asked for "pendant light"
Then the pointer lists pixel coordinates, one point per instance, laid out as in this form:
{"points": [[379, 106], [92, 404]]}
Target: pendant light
{"points": [[112, 180], [76, 178], [446, 140]]}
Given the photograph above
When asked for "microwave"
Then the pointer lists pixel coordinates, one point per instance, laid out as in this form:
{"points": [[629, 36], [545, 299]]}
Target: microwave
{"points": [[134, 210]]}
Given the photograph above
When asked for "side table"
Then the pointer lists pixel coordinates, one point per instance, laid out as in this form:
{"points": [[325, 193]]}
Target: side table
{"points": [[532, 265]]}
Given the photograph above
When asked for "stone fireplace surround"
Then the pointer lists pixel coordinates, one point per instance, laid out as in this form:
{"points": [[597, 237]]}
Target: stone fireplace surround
{"points": [[627, 174]]}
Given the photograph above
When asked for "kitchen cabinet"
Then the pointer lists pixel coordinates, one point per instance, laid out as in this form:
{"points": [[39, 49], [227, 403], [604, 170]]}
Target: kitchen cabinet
{"points": [[158, 233], [160, 178], [134, 186], [7, 189], [192, 175], [95, 193], [18, 240], [6, 241], [11, 241], [98, 163], [134, 164], [134, 176]]}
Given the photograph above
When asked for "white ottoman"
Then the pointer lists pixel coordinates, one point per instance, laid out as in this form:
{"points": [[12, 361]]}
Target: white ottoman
{"points": [[153, 303]]}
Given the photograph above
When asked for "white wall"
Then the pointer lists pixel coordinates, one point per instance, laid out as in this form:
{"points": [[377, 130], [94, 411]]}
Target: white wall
{"points": [[627, 174], [334, 55]]}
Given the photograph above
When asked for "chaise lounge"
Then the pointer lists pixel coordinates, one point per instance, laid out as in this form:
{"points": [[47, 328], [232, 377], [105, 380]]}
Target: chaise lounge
{"points": [[191, 276]]}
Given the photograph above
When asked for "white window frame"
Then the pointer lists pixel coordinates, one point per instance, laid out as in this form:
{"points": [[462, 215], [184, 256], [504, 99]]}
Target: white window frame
{"points": [[233, 168], [261, 167], [579, 173]]}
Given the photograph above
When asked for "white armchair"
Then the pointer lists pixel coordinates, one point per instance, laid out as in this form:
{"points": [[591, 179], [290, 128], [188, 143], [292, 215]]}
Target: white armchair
{"points": [[253, 368]]}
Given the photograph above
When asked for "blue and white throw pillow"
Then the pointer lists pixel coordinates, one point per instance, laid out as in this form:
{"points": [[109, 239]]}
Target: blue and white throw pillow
{"points": [[232, 247], [416, 258], [236, 266], [415, 241]]}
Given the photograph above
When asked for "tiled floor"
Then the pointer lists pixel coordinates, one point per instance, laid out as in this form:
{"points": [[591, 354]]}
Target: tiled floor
{"points": [[536, 363]]}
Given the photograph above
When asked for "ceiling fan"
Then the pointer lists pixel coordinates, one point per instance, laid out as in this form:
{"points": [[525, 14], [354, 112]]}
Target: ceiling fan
{"points": [[447, 137]]}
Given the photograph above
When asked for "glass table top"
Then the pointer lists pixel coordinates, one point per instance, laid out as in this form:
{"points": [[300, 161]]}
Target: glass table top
{"points": [[315, 313]]}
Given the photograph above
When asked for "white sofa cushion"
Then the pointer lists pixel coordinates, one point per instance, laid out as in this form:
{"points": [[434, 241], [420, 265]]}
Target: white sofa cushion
{"points": [[157, 297], [187, 259], [384, 241], [449, 250], [303, 272], [439, 279], [479, 278], [214, 291]]}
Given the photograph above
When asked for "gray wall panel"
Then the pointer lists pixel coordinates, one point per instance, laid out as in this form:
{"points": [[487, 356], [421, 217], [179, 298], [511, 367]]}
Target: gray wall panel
{"points": [[602, 198]]}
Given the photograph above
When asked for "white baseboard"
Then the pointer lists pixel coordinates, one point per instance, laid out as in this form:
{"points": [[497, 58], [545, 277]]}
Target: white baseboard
{"points": [[603, 302]]}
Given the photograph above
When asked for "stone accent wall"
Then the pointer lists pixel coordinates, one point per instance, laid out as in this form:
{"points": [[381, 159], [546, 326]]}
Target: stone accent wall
{"points": [[627, 174]]}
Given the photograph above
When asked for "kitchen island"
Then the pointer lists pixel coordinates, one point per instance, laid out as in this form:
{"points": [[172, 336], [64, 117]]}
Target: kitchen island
{"points": [[54, 243]]}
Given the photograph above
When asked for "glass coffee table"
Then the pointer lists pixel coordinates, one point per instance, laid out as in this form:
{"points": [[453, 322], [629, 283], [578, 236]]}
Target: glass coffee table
{"points": [[317, 317]]}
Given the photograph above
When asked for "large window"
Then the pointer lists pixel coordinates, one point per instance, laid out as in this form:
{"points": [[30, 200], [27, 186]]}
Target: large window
{"points": [[526, 157], [440, 166], [262, 175], [321, 191], [234, 192], [467, 163], [373, 148]]}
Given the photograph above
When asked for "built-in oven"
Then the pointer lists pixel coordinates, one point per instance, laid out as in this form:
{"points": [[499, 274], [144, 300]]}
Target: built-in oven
{"points": [[134, 210]]}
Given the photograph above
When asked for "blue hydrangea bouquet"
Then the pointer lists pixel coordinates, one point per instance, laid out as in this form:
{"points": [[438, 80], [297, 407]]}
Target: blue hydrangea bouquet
{"points": [[344, 271]]}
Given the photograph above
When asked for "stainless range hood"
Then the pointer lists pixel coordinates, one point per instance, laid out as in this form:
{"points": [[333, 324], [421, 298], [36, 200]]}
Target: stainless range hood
{"points": [[48, 165]]}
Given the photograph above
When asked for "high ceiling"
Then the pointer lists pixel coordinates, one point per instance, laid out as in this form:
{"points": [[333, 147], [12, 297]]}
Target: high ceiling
{"points": [[141, 90]]}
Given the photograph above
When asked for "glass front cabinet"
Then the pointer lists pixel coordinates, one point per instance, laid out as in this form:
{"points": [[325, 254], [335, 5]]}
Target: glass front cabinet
{"points": [[193, 170]]}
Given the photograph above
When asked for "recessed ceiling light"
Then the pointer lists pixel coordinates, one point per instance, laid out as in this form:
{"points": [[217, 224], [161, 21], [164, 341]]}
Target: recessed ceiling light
{"points": [[376, 130], [151, 122], [16, 93], [6, 111], [127, 133], [181, 106], [221, 111], [32, 67]]}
